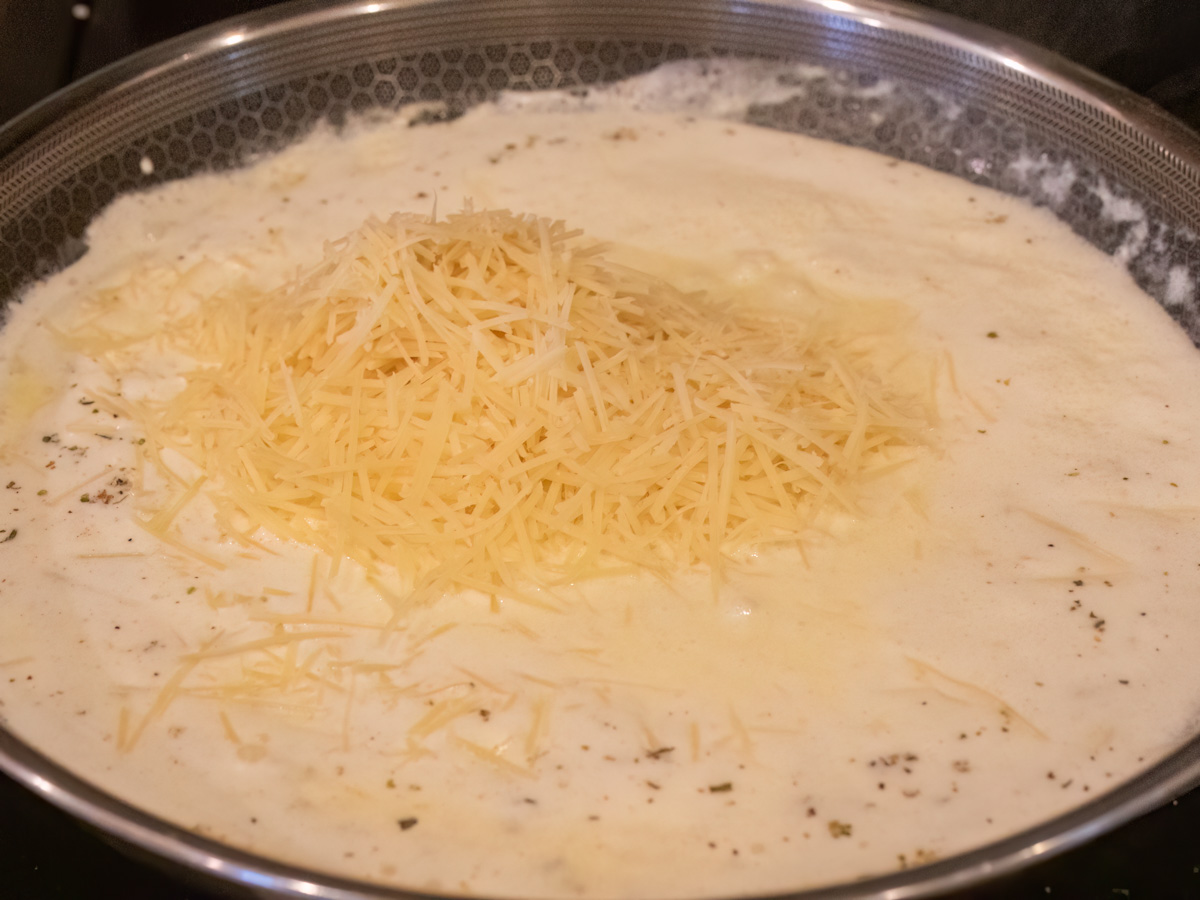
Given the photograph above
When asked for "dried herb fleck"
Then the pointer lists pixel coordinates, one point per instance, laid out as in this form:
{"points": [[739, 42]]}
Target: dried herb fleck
{"points": [[406, 824], [840, 829], [721, 788]]}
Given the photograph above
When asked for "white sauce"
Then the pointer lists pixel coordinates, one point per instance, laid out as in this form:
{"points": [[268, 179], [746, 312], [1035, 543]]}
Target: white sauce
{"points": [[1015, 638]]}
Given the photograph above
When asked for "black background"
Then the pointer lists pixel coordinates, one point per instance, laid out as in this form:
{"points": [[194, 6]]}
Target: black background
{"points": [[1150, 46]]}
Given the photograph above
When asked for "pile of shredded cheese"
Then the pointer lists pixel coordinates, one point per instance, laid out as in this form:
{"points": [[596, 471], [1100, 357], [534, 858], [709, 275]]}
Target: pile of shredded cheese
{"points": [[485, 402]]}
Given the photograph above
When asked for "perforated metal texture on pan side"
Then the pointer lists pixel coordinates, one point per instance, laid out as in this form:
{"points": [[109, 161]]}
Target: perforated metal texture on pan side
{"points": [[237, 93]]}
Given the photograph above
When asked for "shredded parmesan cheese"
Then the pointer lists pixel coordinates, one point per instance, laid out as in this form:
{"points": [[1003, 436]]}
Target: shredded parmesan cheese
{"points": [[486, 402]]}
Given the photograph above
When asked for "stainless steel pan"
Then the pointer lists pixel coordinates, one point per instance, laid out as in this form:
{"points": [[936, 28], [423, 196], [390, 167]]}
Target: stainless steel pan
{"points": [[967, 100]]}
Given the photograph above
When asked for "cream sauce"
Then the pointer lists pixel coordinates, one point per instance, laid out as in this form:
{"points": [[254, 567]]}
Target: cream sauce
{"points": [[1014, 637]]}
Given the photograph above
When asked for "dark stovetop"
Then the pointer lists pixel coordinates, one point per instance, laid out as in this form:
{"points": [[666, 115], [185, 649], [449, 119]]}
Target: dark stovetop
{"points": [[1151, 46]]}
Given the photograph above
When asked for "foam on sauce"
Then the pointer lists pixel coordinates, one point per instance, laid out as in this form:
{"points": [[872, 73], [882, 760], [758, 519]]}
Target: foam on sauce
{"points": [[1013, 637]]}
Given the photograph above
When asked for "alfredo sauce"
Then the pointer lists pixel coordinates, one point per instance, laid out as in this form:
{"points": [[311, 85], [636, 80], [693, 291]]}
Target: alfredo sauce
{"points": [[1007, 631]]}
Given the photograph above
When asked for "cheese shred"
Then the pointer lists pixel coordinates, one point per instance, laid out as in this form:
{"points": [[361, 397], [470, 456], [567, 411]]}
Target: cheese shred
{"points": [[486, 402]]}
